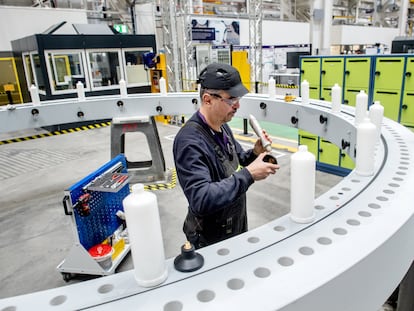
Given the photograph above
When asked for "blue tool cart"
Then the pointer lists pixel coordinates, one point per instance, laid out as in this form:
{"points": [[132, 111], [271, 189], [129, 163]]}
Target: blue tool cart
{"points": [[95, 205]]}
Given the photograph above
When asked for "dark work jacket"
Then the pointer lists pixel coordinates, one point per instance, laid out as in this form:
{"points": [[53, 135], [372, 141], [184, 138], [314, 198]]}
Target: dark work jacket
{"points": [[213, 182]]}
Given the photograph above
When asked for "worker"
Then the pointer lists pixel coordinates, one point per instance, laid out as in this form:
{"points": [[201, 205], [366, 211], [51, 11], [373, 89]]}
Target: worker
{"points": [[213, 169]]}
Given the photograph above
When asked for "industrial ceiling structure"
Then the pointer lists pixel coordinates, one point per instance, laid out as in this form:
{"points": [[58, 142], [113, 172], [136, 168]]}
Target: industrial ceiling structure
{"points": [[359, 12]]}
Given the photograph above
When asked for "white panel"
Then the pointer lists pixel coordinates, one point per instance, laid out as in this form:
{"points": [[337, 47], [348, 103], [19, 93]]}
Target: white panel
{"points": [[20, 22], [347, 34], [278, 33], [145, 19]]}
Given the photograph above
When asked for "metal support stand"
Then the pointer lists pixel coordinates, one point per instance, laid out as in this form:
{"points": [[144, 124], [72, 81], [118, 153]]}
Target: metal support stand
{"points": [[405, 294], [143, 171]]}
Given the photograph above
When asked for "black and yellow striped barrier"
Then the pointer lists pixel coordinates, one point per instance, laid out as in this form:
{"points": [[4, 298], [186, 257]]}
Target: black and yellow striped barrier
{"points": [[164, 186], [54, 133]]}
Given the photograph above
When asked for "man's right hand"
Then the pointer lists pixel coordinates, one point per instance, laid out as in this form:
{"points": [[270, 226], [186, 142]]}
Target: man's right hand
{"points": [[260, 169]]}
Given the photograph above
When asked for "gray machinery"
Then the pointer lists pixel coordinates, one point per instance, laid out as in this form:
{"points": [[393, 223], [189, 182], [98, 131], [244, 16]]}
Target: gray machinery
{"points": [[351, 257]]}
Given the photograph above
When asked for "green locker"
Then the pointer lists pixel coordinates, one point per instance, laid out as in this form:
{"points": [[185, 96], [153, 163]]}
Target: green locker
{"points": [[357, 72], [391, 102], [310, 70], [314, 92], [332, 71], [407, 109], [326, 93], [328, 153], [310, 140], [346, 161], [388, 73], [409, 75], [350, 95]]}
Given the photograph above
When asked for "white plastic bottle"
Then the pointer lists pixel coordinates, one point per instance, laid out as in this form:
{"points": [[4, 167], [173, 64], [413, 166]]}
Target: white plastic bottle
{"points": [[361, 107], [122, 88], [304, 92], [145, 237], [302, 185], [81, 91], [336, 95], [376, 114], [365, 148], [34, 94], [163, 86], [272, 88]]}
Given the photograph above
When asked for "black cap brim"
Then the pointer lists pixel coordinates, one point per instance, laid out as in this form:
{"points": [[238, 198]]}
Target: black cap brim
{"points": [[238, 90]]}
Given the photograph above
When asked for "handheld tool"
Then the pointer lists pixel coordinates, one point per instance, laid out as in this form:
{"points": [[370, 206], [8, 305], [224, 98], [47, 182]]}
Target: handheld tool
{"points": [[259, 132]]}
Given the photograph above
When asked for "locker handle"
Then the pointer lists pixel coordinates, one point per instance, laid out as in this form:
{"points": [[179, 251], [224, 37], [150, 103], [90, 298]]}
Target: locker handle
{"points": [[320, 150], [386, 92], [345, 144], [343, 154], [347, 72], [377, 73], [307, 137], [65, 205], [408, 74], [404, 106], [302, 71], [346, 101], [323, 72], [322, 98]]}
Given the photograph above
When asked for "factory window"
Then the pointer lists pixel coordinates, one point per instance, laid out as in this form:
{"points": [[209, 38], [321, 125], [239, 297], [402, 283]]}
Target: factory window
{"points": [[33, 71], [104, 67], [65, 69], [135, 72]]}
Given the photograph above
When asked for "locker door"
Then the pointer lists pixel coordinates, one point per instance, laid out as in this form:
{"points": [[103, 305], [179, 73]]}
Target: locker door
{"points": [[310, 140], [407, 109], [346, 161], [326, 93], [391, 102], [314, 92], [357, 72], [310, 71], [389, 73], [409, 75], [328, 153], [332, 71], [350, 95]]}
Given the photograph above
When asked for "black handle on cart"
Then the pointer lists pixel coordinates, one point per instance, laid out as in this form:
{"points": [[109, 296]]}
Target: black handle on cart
{"points": [[65, 205]]}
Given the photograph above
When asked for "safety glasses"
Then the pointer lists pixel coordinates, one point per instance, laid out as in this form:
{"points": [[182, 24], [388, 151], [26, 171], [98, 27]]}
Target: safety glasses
{"points": [[229, 101]]}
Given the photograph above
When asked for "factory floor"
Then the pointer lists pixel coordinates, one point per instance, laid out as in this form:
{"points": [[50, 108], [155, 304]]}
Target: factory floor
{"points": [[36, 235]]}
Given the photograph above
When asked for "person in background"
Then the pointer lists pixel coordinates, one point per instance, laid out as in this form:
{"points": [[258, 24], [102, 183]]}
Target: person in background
{"points": [[212, 168]]}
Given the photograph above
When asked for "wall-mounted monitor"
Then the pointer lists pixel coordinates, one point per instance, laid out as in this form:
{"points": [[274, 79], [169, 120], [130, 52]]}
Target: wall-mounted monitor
{"points": [[292, 60]]}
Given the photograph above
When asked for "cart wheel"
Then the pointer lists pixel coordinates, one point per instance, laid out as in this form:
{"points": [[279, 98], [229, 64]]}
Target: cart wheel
{"points": [[66, 276]]}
